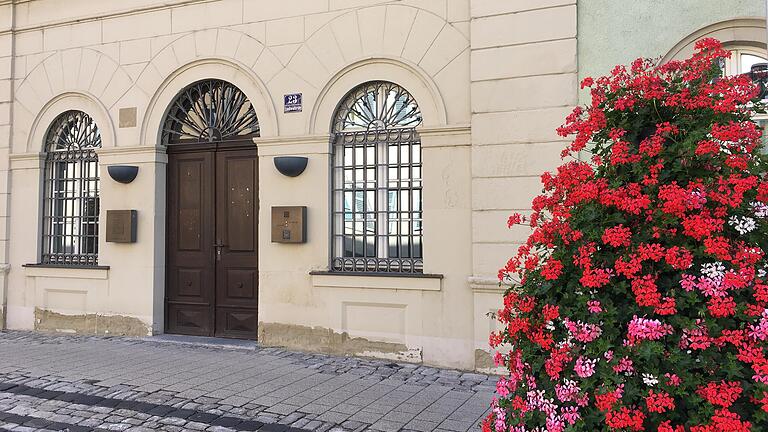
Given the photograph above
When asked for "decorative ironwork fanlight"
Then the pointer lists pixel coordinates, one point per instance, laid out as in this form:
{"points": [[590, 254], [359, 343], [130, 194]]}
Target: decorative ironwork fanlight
{"points": [[210, 111], [72, 131], [378, 105]]}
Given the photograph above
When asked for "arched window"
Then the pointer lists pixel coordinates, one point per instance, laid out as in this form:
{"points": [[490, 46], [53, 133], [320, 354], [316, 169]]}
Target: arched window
{"points": [[71, 191], [210, 111], [376, 184]]}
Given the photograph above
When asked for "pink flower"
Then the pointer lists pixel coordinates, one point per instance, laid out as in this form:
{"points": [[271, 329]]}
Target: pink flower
{"points": [[567, 391], [555, 424], [688, 282], [760, 331], [500, 414], [583, 332], [646, 329], [672, 379], [584, 367], [571, 414], [594, 306], [502, 387], [625, 365]]}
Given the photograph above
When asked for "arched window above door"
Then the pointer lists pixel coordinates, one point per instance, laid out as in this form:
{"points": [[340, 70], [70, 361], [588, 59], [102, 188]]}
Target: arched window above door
{"points": [[376, 184], [71, 191], [210, 111]]}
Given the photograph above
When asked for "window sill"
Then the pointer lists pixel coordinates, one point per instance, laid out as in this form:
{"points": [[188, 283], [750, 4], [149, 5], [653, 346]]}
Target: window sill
{"points": [[386, 281], [62, 271]]}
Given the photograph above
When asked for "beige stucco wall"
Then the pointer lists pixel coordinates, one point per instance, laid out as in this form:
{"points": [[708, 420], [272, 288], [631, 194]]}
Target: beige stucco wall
{"points": [[523, 81], [102, 57]]}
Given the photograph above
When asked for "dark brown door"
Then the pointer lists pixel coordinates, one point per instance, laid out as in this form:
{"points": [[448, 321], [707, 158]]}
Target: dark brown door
{"points": [[212, 283]]}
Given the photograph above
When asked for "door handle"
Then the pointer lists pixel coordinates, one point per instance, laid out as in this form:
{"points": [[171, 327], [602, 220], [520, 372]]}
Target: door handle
{"points": [[218, 245]]}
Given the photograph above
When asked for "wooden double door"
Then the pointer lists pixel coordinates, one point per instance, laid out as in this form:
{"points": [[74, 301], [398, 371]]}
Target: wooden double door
{"points": [[212, 241]]}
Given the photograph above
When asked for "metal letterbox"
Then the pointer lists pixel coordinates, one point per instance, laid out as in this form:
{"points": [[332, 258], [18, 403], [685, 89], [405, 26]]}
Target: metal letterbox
{"points": [[121, 226], [289, 224]]}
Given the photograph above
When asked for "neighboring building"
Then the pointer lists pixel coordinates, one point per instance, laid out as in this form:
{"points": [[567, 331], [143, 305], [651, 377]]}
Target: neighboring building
{"points": [[379, 96]]}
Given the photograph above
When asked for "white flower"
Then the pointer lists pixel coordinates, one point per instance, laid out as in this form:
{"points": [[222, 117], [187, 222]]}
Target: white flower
{"points": [[760, 209], [650, 380], [742, 224], [715, 270], [761, 273]]}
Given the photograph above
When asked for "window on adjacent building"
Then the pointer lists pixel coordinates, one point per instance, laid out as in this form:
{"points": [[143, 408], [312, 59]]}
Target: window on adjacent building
{"points": [[376, 182], [742, 59], [741, 62], [71, 191]]}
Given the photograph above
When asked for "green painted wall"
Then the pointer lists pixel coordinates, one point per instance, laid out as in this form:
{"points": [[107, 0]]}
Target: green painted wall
{"points": [[619, 31]]}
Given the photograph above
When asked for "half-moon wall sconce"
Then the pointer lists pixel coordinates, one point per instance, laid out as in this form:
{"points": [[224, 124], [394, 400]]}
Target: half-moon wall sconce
{"points": [[291, 166], [123, 173]]}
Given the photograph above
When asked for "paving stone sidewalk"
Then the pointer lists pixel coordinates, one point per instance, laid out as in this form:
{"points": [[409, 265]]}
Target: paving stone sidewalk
{"points": [[80, 383]]}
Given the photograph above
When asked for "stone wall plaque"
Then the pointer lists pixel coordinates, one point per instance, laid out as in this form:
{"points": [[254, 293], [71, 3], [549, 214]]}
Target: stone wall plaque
{"points": [[127, 117], [121, 226]]}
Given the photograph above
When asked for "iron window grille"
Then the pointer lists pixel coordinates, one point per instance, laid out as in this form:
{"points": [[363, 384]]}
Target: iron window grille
{"points": [[376, 182], [71, 191], [210, 111]]}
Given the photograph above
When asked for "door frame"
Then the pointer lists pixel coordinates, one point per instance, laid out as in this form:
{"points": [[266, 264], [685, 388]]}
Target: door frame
{"points": [[243, 143]]}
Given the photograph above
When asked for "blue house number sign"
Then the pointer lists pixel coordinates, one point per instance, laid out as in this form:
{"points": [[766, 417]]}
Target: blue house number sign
{"points": [[292, 102]]}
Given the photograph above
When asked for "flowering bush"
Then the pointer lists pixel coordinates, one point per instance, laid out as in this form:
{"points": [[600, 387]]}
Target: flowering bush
{"points": [[640, 299]]}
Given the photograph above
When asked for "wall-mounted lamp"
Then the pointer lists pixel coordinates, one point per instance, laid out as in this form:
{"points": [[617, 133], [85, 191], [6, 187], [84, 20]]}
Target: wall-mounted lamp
{"points": [[290, 166], [123, 173]]}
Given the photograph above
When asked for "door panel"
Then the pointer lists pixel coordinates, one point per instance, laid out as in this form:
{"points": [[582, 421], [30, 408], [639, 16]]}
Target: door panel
{"points": [[191, 277], [239, 211], [236, 323], [236, 262]]}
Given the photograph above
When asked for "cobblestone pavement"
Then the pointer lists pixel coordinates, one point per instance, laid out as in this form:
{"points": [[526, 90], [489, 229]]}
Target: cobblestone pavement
{"points": [[79, 383]]}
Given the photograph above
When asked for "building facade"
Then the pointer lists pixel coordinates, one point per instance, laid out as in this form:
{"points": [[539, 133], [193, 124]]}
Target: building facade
{"points": [[145, 189]]}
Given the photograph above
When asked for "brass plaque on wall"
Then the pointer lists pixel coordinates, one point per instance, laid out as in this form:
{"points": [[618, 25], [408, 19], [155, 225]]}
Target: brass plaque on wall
{"points": [[289, 224], [121, 226]]}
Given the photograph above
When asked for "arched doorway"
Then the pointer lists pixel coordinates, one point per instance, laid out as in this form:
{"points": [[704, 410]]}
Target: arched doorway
{"points": [[212, 212]]}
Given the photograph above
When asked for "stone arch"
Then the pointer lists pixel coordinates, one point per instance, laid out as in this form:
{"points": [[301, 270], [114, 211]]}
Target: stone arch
{"points": [[408, 76], [218, 53], [415, 35], [94, 76], [740, 31], [400, 43], [79, 101]]}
